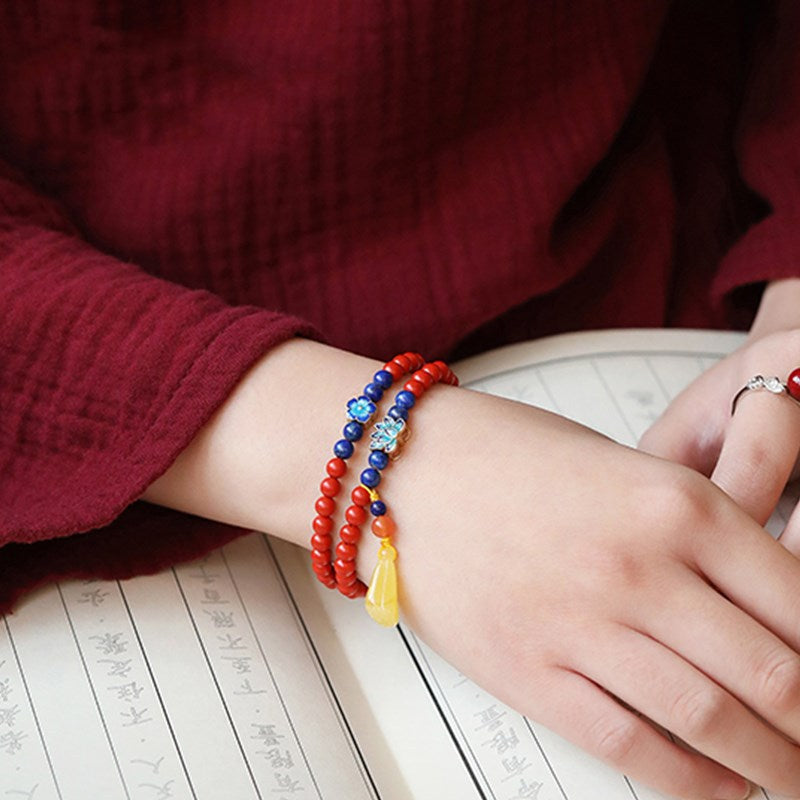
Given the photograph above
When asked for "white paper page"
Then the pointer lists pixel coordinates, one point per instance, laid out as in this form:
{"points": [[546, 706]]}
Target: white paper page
{"points": [[196, 683]]}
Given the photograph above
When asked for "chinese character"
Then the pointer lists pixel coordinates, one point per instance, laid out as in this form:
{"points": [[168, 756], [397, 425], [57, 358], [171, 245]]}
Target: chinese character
{"points": [[231, 642], [490, 718], [643, 398], [204, 577], [276, 760], [503, 741], [527, 791], [462, 679], [221, 619], [266, 734], [29, 794], [5, 690], [212, 597], [11, 742], [96, 597], [109, 644], [247, 688], [136, 717], [7, 715], [515, 766], [119, 669], [162, 792], [154, 765], [127, 691], [240, 664], [286, 784]]}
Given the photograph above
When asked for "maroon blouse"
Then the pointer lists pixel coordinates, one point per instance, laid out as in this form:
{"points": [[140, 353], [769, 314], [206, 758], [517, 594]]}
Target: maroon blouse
{"points": [[184, 185]]}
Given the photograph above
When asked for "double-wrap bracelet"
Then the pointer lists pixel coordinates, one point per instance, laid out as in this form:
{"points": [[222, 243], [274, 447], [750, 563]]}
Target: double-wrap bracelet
{"points": [[386, 441]]}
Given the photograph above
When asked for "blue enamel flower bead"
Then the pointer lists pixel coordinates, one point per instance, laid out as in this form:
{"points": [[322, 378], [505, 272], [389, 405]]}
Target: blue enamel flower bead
{"points": [[386, 435], [360, 409]]}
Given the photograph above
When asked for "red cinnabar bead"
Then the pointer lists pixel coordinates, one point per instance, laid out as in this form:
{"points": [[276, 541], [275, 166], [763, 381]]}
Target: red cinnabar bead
{"points": [[350, 534], [343, 567], [403, 362], [383, 526], [330, 487], [325, 506], [346, 551], [433, 371], [321, 558], [395, 370], [323, 525], [793, 383], [415, 387], [360, 496], [321, 541], [355, 515], [422, 377], [336, 467]]}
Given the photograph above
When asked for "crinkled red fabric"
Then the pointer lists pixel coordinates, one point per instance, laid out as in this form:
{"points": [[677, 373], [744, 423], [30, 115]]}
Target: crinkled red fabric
{"points": [[182, 186]]}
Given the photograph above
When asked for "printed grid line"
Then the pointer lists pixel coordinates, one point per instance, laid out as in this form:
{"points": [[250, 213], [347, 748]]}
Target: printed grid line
{"points": [[157, 689], [94, 693], [33, 708], [215, 680], [325, 679], [271, 675]]}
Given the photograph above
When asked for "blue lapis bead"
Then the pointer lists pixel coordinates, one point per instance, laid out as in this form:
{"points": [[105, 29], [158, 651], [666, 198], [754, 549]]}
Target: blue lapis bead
{"points": [[378, 459], [405, 399], [370, 477], [343, 449], [353, 431], [397, 412], [377, 508], [373, 391], [383, 378]]}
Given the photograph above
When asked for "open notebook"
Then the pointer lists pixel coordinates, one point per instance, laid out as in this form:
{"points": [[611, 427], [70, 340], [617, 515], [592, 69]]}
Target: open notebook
{"points": [[240, 677]]}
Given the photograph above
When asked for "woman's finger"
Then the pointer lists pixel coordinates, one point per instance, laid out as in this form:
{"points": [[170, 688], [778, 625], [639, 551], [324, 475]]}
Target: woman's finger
{"points": [[759, 452], [751, 569], [596, 722], [666, 688], [690, 431], [732, 648], [790, 538]]}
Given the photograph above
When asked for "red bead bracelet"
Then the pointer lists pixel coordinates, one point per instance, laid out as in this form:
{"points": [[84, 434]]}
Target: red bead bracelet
{"points": [[385, 443]]}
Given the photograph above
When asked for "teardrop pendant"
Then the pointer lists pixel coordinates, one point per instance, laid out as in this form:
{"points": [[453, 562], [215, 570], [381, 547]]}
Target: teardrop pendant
{"points": [[381, 599]]}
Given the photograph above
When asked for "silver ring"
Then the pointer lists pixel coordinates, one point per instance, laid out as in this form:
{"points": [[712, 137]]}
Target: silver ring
{"points": [[772, 384]]}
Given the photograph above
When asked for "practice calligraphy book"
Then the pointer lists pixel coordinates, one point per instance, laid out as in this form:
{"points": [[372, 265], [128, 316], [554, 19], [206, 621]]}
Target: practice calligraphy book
{"points": [[239, 677]]}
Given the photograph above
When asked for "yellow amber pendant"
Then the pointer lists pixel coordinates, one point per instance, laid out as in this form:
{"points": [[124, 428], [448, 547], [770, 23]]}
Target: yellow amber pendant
{"points": [[381, 599]]}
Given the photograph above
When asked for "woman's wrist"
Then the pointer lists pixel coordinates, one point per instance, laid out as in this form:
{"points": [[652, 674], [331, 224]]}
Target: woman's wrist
{"points": [[258, 462]]}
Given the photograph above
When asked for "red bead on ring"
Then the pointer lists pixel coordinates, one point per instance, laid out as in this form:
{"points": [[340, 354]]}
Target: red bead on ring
{"points": [[793, 383]]}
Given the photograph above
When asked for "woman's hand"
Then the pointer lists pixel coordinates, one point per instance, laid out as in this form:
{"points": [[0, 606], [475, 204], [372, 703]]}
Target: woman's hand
{"points": [[577, 579], [574, 578], [753, 453]]}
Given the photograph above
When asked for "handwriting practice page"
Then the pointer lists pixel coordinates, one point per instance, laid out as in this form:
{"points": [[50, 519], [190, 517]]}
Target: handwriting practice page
{"points": [[240, 676], [195, 683]]}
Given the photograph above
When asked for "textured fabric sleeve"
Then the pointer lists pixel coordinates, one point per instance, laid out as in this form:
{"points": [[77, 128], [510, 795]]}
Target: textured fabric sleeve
{"points": [[107, 373], [769, 158]]}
